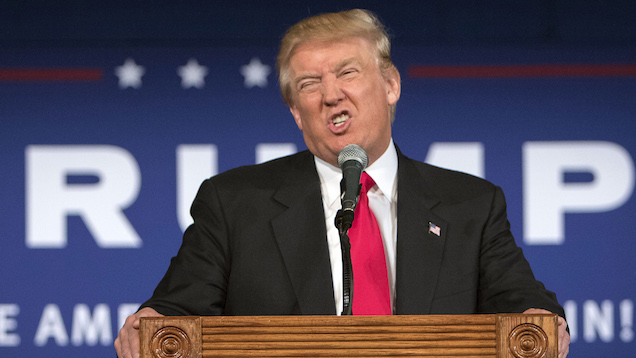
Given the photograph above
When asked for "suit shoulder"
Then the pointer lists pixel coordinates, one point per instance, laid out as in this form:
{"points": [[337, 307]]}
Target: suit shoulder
{"points": [[269, 172], [452, 183], [443, 175]]}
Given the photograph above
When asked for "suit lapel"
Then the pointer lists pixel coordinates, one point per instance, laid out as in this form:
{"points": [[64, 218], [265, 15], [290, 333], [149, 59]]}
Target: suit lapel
{"points": [[302, 238], [419, 249]]}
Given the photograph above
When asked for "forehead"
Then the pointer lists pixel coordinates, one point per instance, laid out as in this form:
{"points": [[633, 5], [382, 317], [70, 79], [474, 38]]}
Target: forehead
{"points": [[315, 55]]}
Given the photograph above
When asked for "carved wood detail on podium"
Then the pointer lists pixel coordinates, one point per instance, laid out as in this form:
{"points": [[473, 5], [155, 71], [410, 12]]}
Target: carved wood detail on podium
{"points": [[528, 336], [170, 337], [451, 336]]}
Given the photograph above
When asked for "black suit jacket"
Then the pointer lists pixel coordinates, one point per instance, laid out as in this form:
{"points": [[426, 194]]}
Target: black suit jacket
{"points": [[258, 246]]}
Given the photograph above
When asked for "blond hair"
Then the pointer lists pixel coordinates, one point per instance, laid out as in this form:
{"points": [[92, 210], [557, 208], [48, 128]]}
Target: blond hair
{"points": [[327, 27]]}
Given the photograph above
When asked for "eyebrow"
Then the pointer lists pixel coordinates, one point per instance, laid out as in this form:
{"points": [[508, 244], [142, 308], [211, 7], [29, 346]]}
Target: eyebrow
{"points": [[299, 79], [344, 63]]}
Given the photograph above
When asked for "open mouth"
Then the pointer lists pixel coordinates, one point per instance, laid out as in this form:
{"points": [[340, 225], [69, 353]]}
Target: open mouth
{"points": [[339, 120]]}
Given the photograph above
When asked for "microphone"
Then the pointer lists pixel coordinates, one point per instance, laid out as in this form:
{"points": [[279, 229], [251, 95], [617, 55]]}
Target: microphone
{"points": [[352, 160]]}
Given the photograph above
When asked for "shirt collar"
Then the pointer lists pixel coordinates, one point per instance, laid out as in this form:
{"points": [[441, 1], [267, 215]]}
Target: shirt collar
{"points": [[383, 171]]}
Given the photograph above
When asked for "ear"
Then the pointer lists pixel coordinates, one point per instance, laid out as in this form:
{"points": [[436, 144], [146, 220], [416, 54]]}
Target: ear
{"points": [[294, 111], [393, 85]]}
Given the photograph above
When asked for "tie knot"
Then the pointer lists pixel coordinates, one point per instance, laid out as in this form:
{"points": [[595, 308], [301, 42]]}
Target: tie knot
{"points": [[366, 181]]}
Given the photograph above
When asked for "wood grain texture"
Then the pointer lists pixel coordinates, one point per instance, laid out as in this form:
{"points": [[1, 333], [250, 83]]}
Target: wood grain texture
{"points": [[496, 336]]}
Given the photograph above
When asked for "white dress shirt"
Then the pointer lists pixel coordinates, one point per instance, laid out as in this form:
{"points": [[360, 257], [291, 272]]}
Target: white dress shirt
{"points": [[383, 203]]}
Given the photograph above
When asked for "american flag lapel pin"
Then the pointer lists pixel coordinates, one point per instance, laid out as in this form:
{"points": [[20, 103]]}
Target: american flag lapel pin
{"points": [[434, 229]]}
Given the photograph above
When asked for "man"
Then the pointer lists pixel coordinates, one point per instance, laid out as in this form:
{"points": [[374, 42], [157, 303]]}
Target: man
{"points": [[263, 240]]}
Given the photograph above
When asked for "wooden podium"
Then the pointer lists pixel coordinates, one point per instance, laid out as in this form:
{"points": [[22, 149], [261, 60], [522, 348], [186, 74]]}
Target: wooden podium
{"points": [[496, 335]]}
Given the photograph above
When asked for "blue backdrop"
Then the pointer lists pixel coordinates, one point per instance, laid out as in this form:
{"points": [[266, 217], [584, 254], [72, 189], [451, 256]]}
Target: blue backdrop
{"points": [[103, 148]]}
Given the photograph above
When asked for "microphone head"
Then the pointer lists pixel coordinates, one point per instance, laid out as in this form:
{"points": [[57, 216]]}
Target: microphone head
{"points": [[353, 152]]}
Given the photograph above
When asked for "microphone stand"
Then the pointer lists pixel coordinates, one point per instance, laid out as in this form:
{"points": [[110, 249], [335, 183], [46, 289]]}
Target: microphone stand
{"points": [[347, 269], [344, 221]]}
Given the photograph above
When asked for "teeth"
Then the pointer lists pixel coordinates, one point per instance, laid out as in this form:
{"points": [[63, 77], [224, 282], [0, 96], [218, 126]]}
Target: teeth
{"points": [[340, 120]]}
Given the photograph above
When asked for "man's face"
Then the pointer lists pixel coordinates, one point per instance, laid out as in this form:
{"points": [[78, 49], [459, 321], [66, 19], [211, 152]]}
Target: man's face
{"points": [[340, 97]]}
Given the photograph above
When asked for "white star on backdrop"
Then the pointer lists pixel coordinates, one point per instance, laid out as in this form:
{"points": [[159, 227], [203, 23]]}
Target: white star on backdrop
{"points": [[255, 73], [192, 74], [129, 74]]}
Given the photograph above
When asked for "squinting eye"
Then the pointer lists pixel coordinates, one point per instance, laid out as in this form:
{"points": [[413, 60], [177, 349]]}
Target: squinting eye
{"points": [[307, 86], [348, 72]]}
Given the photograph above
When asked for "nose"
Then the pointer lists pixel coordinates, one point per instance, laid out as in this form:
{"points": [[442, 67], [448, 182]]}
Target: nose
{"points": [[332, 93]]}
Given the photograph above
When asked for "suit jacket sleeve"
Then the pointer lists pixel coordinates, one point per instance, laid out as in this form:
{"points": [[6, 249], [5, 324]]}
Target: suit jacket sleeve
{"points": [[196, 280], [507, 283]]}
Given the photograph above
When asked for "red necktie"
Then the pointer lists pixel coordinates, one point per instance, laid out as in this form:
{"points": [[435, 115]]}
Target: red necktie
{"points": [[371, 295]]}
